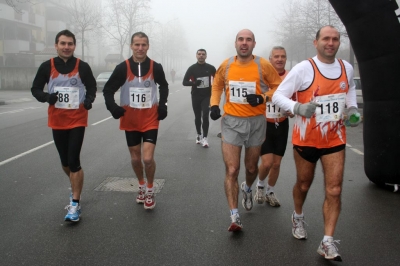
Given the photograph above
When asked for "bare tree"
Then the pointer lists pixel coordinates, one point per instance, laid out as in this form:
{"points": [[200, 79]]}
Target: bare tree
{"points": [[16, 4], [123, 18], [86, 18]]}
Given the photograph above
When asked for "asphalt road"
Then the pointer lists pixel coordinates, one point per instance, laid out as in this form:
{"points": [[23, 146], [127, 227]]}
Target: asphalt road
{"points": [[190, 221]]}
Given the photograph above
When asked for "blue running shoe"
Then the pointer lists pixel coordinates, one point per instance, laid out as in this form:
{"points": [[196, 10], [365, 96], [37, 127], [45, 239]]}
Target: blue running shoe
{"points": [[74, 211]]}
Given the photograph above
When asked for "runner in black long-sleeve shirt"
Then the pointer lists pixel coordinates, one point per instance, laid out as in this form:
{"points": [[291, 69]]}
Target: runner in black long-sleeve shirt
{"points": [[200, 76]]}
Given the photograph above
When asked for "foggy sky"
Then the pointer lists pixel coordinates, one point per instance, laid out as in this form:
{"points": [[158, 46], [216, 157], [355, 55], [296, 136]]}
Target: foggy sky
{"points": [[213, 24]]}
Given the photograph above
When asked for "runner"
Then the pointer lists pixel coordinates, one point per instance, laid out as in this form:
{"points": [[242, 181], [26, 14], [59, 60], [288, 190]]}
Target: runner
{"points": [[71, 92], [274, 146], [199, 76], [245, 79], [323, 86], [140, 111]]}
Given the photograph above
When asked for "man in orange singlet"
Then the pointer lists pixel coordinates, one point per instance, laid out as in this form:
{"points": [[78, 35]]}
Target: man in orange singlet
{"points": [[274, 145], [324, 87], [140, 111], [71, 92]]}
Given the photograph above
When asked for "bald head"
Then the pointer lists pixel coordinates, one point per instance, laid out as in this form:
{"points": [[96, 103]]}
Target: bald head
{"points": [[245, 32]]}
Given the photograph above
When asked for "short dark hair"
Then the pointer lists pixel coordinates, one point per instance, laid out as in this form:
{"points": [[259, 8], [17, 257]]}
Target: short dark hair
{"points": [[319, 31], [140, 35], [65, 33], [201, 50]]}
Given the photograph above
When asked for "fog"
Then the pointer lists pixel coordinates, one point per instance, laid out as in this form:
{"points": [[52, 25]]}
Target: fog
{"points": [[213, 24]]}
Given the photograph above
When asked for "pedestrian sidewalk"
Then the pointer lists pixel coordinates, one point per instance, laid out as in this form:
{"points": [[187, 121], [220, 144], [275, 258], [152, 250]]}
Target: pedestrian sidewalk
{"points": [[14, 96]]}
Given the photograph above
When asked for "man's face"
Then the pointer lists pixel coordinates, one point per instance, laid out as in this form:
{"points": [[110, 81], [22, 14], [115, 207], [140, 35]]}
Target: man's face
{"points": [[278, 59], [139, 48], [201, 57], [245, 44], [327, 45], [65, 47]]}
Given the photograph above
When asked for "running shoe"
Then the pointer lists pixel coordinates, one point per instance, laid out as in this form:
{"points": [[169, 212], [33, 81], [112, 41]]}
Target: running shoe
{"points": [[236, 224], [329, 250], [141, 195], [150, 201], [259, 196], [298, 230], [74, 212], [272, 199], [199, 138], [205, 142], [247, 200]]}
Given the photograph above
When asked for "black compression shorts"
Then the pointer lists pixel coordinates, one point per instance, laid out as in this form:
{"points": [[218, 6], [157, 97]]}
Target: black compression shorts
{"points": [[313, 154], [276, 138], [134, 138]]}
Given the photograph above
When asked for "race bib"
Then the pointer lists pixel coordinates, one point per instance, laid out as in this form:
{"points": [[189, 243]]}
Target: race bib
{"points": [[332, 107], [140, 97], [205, 82], [68, 97], [274, 111], [238, 90]]}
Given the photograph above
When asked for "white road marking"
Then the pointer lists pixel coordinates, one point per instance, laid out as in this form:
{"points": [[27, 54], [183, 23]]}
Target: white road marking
{"points": [[354, 149], [25, 153], [101, 121], [19, 110]]}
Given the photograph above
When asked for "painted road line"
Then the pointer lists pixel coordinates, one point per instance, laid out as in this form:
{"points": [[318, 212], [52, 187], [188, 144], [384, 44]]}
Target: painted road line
{"points": [[101, 121], [25, 153]]}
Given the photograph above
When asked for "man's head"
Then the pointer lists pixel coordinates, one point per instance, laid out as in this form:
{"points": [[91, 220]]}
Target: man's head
{"points": [[277, 57], [327, 42], [65, 44], [244, 44], [201, 56], [140, 46]]}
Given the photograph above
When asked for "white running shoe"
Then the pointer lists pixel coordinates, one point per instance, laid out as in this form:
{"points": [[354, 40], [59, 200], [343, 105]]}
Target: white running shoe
{"points": [[272, 199], [247, 200], [199, 138], [236, 224], [259, 196], [329, 250], [204, 142], [298, 230]]}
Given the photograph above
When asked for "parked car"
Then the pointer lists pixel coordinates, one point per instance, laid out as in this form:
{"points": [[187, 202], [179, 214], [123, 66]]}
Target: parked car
{"points": [[102, 78], [360, 101]]}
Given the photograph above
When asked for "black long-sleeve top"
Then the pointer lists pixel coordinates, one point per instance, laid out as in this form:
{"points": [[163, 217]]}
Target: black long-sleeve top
{"points": [[195, 71], [118, 78], [43, 76]]}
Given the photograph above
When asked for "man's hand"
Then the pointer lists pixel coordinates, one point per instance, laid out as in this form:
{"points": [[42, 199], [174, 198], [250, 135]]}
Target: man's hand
{"points": [[118, 112], [254, 99], [52, 98], [162, 111], [305, 109], [215, 112], [87, 103], [198, 82], [353, 117]]}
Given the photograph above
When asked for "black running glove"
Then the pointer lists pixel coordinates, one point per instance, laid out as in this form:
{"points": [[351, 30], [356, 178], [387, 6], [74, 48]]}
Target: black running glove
{"points": [[118, 112], [87, 103], [215, 112], [162, 111], [52, 98], [254, 99]]}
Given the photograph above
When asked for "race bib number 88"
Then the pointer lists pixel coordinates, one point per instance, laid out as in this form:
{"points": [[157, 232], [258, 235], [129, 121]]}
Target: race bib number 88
{"points": [[68, 97]]}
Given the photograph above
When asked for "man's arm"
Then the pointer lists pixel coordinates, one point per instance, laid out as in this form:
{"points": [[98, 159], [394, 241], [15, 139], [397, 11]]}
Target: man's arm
{"points": [[188, 79], [218, 85], [271, 77], [88, 80], [159, 78], [116, 80], [41, 79]]}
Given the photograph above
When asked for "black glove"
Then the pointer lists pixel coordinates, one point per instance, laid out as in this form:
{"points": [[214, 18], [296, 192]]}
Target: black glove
{"points": [[118, 112], [215, 112], [162, 111], [87, 103], [254, 99], [52, 98], [198, 82]]}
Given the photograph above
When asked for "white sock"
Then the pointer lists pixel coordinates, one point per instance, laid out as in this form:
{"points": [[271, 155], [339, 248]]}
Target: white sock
{"points": [[298, 215], [326, 238], [234, 211], [246, 188], [269, 189], [149, 190], [260, 183]]}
